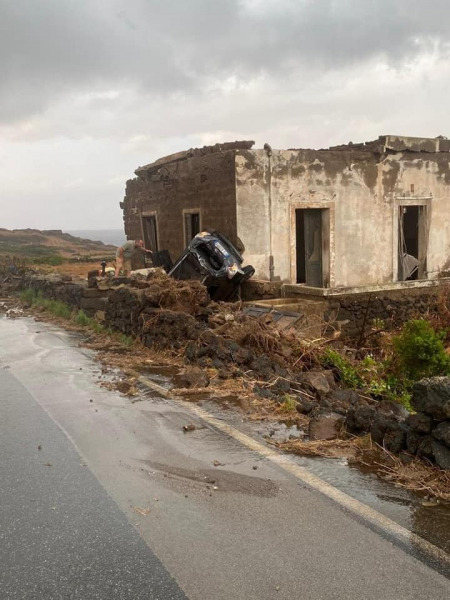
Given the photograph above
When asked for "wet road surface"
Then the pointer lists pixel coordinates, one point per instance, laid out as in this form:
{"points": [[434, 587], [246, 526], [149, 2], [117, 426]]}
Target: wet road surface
{"points": [[61, 536], [225, 531]]}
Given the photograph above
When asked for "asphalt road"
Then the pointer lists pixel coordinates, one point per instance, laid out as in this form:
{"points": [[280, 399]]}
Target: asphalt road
{"points": [[102, 498], [61, 535]]}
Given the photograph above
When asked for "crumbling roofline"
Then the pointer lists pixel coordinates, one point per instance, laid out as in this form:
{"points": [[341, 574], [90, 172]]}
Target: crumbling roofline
{"points": [[393, 143], [385, 144], [193, 152], [415, 144]]}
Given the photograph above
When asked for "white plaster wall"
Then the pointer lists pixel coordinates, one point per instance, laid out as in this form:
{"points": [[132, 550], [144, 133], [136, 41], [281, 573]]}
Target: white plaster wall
{"points": [[363, 234], [432, 190], [362, 251], [252, 210], [364, 197]]}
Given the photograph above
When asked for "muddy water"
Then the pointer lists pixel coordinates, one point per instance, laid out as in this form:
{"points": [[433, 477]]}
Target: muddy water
{"points": [[404, 507]]}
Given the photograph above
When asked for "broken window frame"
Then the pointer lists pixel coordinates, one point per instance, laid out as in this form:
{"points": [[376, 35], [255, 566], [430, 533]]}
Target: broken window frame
{"points": [[424, 218]]}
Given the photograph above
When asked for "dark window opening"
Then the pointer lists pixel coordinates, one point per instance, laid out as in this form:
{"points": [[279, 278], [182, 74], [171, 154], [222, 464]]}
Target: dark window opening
{"points": [[191, 226], [150, 233]]}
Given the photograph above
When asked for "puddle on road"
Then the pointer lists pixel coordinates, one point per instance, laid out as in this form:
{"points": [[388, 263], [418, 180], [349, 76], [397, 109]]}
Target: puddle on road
{"points": [[163, 375], [402, 506], [279, 432]]}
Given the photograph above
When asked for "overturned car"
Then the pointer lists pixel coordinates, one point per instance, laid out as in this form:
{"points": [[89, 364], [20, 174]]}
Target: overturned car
{"points": [[212, 259]]}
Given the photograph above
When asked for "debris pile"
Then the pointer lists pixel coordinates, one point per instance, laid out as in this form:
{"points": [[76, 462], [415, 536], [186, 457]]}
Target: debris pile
{"points": [[180, 316], [131, 306]]}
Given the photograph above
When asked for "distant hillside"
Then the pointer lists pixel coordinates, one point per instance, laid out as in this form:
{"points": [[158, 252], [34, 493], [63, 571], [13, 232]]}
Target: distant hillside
{"points": [[115, 237], [33, 243]]}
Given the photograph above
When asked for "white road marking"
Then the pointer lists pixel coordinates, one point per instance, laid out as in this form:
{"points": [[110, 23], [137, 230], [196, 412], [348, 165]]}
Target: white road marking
{"points": [[284, 462]]}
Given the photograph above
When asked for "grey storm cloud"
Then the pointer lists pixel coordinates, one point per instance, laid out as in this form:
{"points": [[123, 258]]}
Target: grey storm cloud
{"points": [[90, 89], [53, 48]]}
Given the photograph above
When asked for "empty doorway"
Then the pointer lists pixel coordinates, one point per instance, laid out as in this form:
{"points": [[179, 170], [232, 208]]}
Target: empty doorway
{"points": [[309, 246], [191, 226], [150, 233]]}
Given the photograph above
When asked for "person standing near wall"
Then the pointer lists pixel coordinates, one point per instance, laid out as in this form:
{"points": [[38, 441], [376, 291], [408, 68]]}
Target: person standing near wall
{"points": [[124, 254]]}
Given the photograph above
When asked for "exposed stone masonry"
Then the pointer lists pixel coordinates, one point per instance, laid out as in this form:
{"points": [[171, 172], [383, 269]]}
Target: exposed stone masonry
{"points": [[387, 309], [199, 180], [429, 433]]}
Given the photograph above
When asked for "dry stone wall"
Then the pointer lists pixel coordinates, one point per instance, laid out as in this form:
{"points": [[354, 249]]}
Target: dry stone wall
{"points": [[75, 294], [429, 433], [357, 312]]}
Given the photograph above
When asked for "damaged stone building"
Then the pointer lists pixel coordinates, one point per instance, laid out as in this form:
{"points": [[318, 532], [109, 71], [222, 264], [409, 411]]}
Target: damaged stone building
{"points": [[354, 217]]}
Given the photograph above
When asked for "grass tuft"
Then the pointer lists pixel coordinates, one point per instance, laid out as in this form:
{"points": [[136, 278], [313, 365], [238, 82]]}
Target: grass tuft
{"points": [[124, 339]]}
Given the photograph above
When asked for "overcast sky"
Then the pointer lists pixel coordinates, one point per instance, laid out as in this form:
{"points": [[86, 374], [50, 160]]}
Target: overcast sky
{"points": [[92, 89]]}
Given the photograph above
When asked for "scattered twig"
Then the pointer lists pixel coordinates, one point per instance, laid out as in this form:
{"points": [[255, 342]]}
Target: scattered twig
{"points": [[141, 511]]}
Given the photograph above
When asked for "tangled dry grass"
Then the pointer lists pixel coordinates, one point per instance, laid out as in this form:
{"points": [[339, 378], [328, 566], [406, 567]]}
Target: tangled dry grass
{"points": [[415, 474], [412, 473], [320, 448], [182, 296], [254, 334]]}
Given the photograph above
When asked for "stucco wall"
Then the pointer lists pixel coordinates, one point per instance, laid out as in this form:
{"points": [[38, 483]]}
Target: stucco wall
{"points": [[430, 176], [205, 182], [361, 188], [252, 209]]}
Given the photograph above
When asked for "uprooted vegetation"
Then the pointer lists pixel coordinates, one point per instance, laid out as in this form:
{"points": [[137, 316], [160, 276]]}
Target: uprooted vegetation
{"points": [[277, 374], [179, 317]]}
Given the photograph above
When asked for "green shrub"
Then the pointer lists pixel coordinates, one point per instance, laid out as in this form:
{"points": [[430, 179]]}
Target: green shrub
{"points": [[81, 318], [96, 326], [28, 295], [419, 352], [289, 403], [345, 369], [54, 260], [369, 375], [58, 308], [126, 340]]}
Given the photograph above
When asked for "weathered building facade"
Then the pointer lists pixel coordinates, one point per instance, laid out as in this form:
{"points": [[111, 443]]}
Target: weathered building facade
{"points": [[351, 216]]}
